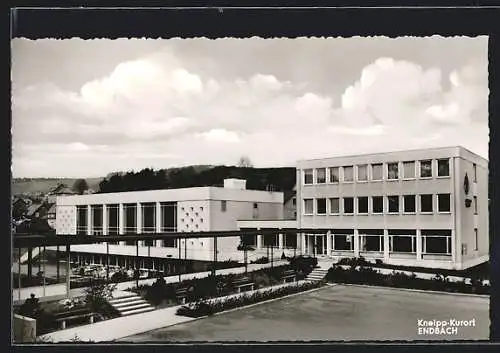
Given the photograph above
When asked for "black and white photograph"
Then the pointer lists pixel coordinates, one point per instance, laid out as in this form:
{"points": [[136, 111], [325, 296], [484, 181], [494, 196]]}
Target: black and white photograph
{"points": [[250, 190]]}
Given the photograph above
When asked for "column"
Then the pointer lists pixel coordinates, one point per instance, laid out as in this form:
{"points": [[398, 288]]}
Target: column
{"points": [[303, 243], [121, 221], [259, 241], [356, 243], [158, 223], [419, 244], [328, 243], [138, 222], [280, 241], [454, 250], [89, 220], [386, 245], [104, 220]]}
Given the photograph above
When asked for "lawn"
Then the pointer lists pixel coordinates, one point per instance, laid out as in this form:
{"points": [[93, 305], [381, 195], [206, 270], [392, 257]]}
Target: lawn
{"points": [[335, 313]]}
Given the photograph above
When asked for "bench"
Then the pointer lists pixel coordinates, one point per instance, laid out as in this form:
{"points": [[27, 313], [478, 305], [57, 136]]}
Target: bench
{"points": [[62, 318], [289, 276], [243, 284], [181, 295]]}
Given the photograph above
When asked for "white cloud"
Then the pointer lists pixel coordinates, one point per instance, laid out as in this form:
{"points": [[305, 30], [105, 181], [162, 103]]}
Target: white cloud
{"points": [[220, 135]]}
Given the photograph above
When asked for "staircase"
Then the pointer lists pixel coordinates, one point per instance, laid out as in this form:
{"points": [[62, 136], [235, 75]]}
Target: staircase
{"points": [[317, 274], [130, 304]]}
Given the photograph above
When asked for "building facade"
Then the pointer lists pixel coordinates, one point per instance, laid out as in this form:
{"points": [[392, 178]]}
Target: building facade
{"points": [[170, 210], [426, 208]]}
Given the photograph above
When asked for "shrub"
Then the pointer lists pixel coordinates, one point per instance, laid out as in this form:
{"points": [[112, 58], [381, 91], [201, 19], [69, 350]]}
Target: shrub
{"points": [[261, 260], [303, 265]]}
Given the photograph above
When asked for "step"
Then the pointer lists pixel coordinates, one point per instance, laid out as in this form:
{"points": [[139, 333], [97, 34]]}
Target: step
{"points": [[133, 307], [123, 299], [132, 302], [137, 311]]}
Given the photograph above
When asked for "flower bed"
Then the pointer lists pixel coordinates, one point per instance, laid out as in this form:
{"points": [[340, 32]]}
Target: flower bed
{"points": [[370, 276], [209, 307]]}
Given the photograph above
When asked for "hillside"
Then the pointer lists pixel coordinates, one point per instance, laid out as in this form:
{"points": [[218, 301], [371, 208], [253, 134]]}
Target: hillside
{"points": [[30, 186]]}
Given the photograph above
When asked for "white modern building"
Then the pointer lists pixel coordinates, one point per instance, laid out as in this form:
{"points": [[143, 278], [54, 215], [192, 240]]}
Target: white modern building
{"points": [[169, 210], [425, 208]]}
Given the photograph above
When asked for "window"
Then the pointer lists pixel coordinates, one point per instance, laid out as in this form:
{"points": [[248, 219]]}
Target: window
{"points": [[308, 206], [334, 205], [378, 204], [393, 202], [443, 167], [475, 172], [402, 241], [334, 175], [426, 203], [362, 172], [436, 242], [348, 174], [476, 239], [444, 202], [112, 218], [363, 205], [255, 205], [96, 219], [223, 206], [392, 171], [81, 220], [321, 206], [377, 171], [321, 175], [290, 240], [343, 242], [475, 204], [426, 169], [409, 170], [308, 176], [409, 203], [168, 221], [249, 239], [148, 217], [371, 240], [294, 201], [348, 205], [270, 240]]}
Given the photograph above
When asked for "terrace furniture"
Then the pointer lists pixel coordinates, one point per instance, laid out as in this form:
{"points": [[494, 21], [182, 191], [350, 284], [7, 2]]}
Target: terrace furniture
{"points": [[289, 276], [181, 295], [243, 284], [72, 315]]}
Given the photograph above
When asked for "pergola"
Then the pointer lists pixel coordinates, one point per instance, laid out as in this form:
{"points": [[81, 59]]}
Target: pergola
{"points": [[31, 241]]}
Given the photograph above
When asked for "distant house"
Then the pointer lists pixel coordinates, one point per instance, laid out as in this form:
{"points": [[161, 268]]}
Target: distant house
{"points": [[59, 190], [50, 216], [19, 207], [36, 210]]}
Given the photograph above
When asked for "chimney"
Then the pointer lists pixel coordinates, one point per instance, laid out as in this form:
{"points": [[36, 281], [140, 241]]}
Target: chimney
{"points": [[238, 184]]}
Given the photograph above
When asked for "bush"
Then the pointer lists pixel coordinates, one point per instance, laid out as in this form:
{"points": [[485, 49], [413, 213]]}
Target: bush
{"points": [[159, 291], [261, 260], [303, 265]]}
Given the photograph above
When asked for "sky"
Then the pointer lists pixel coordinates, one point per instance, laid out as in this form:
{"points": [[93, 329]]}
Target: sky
{"points": [[86, 108]]}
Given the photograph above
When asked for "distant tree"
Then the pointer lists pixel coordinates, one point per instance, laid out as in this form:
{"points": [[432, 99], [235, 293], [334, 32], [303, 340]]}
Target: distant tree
{"points": [[244, 162], [80, 186]]}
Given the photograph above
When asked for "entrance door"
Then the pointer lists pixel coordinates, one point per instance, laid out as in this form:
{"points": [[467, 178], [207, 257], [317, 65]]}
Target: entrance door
{"points": [[316, 244]]}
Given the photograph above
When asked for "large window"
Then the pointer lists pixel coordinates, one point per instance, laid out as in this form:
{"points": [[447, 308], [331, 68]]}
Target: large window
{"points": [[426, 203], [393, 204], [148, 217], [392, 171], [321, 175], [426, 169], [96, 219], [436, 242], [443, 167], [334, 205], [308, 206], [334, 174], [321, 206], [348, 174], [290, 240], [130, 211], [249, 239], [377, 171], [81, 220], [348, 205], [271, 240], [168, 222], [371, 240], [409, 170], [362, 172], [308, 176], [378, 204], [343, 242], [402, 241], [409, 202], [363, 205], [444, 202], [113, 220]]}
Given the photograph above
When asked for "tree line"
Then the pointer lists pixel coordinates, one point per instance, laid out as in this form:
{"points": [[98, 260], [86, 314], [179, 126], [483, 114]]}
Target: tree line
{"points": [[275, 179]]}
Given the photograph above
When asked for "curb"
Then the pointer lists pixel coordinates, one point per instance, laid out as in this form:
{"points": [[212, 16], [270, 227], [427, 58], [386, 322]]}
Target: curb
{"points": [[483, 296], [237, 309]]}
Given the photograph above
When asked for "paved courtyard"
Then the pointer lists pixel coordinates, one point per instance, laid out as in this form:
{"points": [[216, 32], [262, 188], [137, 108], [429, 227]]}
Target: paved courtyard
{"points": [[336, 313]]}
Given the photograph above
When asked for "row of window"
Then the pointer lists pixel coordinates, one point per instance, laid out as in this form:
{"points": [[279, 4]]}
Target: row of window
{"points": [[378, 172], [380, 204]]}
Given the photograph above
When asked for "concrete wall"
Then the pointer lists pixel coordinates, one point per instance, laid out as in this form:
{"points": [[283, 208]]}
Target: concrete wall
{"points": [[24, 329]]}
